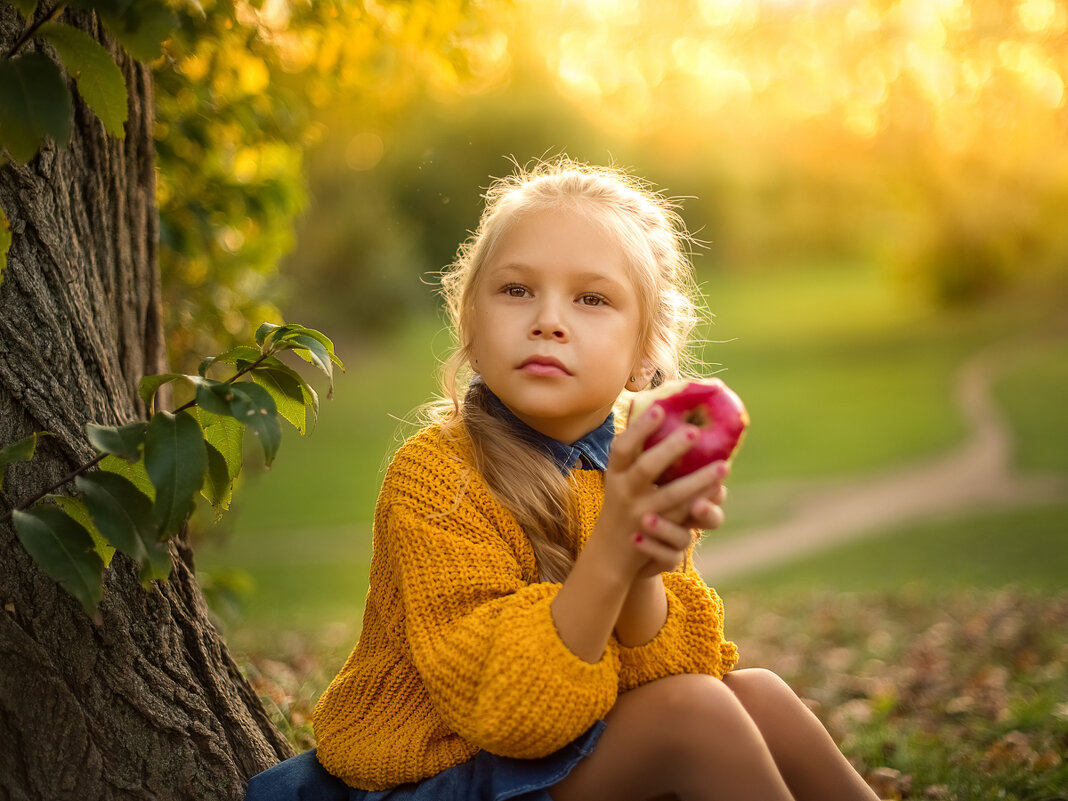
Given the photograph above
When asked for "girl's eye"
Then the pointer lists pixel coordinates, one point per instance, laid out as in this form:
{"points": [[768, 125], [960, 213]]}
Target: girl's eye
{"points": [[593, 300], [515, 291]]}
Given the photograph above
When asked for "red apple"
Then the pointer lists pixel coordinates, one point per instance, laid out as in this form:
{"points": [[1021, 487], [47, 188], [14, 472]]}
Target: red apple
{"points": [[711, 406]]}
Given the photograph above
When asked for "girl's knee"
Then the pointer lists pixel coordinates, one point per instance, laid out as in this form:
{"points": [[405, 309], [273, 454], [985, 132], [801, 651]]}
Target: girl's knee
{"points": [[688, 707], [754, 680], [759, 687]]}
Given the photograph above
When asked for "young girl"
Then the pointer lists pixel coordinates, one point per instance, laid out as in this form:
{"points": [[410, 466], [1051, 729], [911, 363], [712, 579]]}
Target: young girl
{"points": [[535, 627]]}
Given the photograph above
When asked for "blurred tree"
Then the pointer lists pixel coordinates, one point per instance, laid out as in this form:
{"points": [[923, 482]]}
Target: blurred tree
{"points": [[393, 197], [927, 137], [241, 93]]}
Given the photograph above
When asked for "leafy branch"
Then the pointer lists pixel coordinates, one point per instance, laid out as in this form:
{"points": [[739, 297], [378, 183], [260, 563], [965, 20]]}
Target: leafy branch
{"points": [[151, 471]]}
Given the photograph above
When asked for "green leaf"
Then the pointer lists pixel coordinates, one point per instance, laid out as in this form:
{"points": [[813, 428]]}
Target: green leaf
{"points": [[19, 451], [226, 435], [25, 7], [135, 473], [123, 441], [218, 487], [5, 243], [223, 436], [150, 385], [311, 345], [313, 351], [100, 81], [249, 404], [34, 103], [64, 550], [325, 341], [254, 406], [214, 396], [291, 332], [124, 515], [240, 357], [75, 507], [264, 331], [175, 460], [287, 388], [141, 27]]}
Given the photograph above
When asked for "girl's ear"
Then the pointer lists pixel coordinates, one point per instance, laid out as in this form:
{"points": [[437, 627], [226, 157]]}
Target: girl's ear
{"points": [[641, 376]]}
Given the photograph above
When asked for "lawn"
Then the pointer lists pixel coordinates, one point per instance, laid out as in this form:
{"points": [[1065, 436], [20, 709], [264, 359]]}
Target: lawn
{"points": [[1025, 548], [951, 695]]}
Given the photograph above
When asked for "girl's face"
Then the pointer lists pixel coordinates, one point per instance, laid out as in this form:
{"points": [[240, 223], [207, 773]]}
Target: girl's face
{"points": [[555, 323]]}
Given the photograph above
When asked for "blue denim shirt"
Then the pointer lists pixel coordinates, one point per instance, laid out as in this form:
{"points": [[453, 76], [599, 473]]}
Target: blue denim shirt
{"points": [[589, 452]]}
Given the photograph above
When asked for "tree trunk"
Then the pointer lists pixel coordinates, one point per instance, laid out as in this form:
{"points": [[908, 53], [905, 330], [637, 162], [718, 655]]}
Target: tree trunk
{"points": [[148, 703]]}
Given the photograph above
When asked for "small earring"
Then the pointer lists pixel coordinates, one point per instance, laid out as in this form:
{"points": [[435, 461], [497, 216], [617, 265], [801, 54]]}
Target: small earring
{"points": [[633, 380]]}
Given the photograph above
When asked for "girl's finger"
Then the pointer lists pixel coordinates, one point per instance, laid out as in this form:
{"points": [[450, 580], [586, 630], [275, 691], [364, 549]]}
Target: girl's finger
{"points": [[627, 446], [665, 532], [719, 497], [664, 557], [651, 463], [683, 491], [705, 514]]}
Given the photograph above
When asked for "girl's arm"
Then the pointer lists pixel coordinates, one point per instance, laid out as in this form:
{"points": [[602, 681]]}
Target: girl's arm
{"points": [[644, 611], [646, 606], [592, 599], [690, 637]]}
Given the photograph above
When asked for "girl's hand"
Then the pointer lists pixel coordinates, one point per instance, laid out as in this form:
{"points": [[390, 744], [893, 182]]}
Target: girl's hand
{"points": [[661, 516], [665, 538]]}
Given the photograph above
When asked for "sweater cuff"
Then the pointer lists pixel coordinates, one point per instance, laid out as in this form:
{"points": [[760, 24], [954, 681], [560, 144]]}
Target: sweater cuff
{"points": [[573, 668], [690, 641], [640, 664]]}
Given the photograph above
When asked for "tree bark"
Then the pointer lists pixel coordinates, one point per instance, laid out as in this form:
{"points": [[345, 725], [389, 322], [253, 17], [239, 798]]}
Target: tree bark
{"points": [[148, 703]]}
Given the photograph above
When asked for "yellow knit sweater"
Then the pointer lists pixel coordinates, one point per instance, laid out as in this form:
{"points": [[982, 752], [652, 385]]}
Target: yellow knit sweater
{"points": [[458, 650]]}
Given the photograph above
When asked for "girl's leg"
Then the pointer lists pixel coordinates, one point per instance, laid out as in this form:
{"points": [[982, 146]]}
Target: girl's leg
{"points": [[807, 757], [685, 735]]}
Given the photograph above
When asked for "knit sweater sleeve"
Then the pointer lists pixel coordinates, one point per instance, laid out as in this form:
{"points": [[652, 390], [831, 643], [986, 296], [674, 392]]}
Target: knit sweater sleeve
{"points": [[481, 637], [691, 639]]}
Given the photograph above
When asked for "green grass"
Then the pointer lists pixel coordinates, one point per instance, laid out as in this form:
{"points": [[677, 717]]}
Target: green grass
{"points": [[1025, 548], [960, 694], [1034, 394], [841, 372]]}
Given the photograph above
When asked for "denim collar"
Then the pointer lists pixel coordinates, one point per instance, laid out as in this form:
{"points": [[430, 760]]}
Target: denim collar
{"points": [[589, 452]]}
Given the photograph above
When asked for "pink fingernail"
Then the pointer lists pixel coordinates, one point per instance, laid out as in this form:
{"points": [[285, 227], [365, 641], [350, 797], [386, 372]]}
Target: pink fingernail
{"points": [[638, 538]]}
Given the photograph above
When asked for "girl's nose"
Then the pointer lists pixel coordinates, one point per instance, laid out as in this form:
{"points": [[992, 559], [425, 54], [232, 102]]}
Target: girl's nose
{"points": [[548, 324]]}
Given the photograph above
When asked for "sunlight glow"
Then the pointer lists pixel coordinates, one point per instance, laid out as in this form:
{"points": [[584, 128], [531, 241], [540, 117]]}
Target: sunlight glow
{"points": [[860, 65]]}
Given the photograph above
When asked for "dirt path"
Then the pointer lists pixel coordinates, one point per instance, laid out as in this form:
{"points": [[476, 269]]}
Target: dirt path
{"points": [[977, 474]]}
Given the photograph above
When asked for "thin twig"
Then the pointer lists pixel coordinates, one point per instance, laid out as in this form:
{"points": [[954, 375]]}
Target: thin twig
{"points": [[73, 474], [97, 459], [32, 29]]}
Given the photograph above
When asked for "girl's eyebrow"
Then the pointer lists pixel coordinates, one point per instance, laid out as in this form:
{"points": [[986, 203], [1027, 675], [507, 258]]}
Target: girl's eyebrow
{"points": [[593, 277], [587, 277]]}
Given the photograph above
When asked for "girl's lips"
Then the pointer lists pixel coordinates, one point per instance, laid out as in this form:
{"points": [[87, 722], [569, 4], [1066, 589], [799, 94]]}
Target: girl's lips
{"points": [[543, 367]]}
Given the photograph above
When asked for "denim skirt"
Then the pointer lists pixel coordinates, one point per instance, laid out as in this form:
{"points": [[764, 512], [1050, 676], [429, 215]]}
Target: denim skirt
{"points": [[485, 777]]}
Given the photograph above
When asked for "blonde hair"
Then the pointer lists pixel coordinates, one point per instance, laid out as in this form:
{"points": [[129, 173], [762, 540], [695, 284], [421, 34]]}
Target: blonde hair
{"points": [[656, 245]]}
